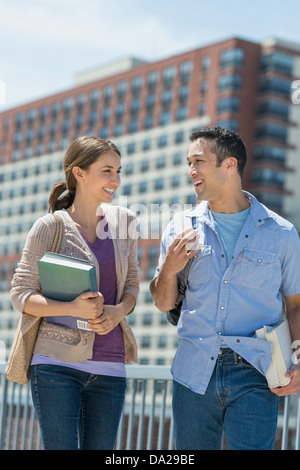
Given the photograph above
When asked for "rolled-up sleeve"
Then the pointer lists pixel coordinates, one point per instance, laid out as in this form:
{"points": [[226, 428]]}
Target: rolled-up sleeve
{"points": [[290, 284]]}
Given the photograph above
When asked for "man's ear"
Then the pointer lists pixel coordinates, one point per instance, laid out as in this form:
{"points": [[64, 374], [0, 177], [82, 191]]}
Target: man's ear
{"points": [[230, 164]]}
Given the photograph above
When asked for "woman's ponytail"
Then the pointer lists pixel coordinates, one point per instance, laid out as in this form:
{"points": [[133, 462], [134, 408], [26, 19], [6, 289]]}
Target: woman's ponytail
{"points": [[57, 201]]}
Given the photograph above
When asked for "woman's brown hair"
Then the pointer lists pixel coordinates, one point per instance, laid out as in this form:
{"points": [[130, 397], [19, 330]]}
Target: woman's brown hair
{"points": [[81, 152]]}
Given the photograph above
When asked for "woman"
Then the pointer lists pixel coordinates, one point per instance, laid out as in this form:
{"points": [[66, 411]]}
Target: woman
{"points": [[78, 377]]}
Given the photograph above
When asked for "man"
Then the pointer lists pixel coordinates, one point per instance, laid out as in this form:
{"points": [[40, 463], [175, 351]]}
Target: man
{"points": [[249, 260]]}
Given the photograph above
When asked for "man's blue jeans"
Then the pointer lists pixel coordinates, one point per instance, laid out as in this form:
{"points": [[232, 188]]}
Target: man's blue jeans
{"points": [[75, 409], [237, 401]]}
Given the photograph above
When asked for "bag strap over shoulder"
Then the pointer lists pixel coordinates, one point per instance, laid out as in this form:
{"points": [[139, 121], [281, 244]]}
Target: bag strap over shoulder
{"points": [[58, 233]]}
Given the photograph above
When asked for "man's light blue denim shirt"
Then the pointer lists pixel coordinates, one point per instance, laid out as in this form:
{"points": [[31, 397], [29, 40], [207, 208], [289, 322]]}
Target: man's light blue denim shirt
{"points": [[229, 301]]}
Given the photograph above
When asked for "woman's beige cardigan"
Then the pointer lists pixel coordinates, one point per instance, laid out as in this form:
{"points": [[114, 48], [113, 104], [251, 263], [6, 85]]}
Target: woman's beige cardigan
{"points": [[60, 342]]}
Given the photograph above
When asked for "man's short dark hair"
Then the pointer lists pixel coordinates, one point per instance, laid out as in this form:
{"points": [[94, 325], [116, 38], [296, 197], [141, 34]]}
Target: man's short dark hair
{"points": [[225, 143]]}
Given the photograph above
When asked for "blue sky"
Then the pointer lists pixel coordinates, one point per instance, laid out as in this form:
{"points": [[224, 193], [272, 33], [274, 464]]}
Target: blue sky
{"points": [[44, 43]]}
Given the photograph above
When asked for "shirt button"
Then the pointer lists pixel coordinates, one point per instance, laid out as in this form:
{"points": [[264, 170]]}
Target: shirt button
{"points": [[259, 260], [222, 308], [212, 358], [220, 332], [238, 340], [246, 236], [225, 282]]}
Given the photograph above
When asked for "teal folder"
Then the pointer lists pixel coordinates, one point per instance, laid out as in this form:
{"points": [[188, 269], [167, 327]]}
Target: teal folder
{"points": [[63, 278]]}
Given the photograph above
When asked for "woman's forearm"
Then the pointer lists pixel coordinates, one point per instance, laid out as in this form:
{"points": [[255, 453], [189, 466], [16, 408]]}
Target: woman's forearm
{"points": [[87, 305], [40, 306]]}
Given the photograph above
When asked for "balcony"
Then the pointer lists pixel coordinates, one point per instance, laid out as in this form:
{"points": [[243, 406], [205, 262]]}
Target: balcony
{"points": [[146, 423]]}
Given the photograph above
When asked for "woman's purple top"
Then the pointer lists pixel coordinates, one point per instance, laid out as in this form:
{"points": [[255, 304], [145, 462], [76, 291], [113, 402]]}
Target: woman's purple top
{"points": [[108, 352]]}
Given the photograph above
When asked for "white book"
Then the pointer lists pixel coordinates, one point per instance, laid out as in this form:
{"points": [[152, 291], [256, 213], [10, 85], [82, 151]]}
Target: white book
{"points": [[282, 353]]}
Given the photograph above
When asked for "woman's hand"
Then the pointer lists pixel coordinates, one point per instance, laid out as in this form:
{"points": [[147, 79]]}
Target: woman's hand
{"points": [[108, 320], [88, 305]]}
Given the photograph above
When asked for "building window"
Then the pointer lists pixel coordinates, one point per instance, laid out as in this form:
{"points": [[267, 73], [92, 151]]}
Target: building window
{"points": [[183, 94], [118, 130], [43, 113], [121, 90], [127, 189], [108, 91], [94, 97], [146, 341], [67, 106], [119, 111], [146, 145], [273, 108], [133, 126], [148, 122], [168, 76], [175, 181], [134, 107], [233, 57], [162, 141], [152, 81], [144, 166], [162, 341], [131, 148], [103, 133], [270, 177], [272, 131], [136, 86], [229, 82], [278, 61], [105, 116], [205, 64], [159, 184], [160, 162], [275, 85], [31, 117], [270, 153], [150, 103], [203, 88], [229, 123], [181, 114], [128, 169], [202, 109], [166, 99], [165, 118], [185, 71], [143, 186], [177, 158], [272, 200], [19, 120], [229, 104], [147, 319]]}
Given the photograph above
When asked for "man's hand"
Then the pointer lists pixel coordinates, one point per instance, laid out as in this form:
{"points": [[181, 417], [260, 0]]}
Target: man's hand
{"points": [[293, 387], [164, 288], [177, 254]]}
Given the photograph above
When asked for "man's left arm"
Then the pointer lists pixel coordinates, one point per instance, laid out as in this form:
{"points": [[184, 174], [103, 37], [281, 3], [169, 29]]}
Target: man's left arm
{"points": [[292, 304]]}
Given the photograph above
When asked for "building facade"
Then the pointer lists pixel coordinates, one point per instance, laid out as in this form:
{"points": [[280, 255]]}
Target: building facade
{"points": [[149, 110]]}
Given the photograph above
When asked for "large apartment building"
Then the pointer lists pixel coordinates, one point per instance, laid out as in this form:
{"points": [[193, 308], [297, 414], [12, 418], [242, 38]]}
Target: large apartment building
{"points": [[149, 110]]}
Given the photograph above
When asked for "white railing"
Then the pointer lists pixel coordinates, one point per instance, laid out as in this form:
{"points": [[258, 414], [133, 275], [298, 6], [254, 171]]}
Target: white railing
{"points": [[146, 423]]}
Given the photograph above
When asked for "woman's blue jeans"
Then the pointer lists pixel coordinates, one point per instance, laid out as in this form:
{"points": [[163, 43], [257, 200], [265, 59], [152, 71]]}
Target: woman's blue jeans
{"points": [[75, 409], [237, 401]]}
